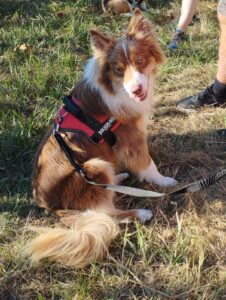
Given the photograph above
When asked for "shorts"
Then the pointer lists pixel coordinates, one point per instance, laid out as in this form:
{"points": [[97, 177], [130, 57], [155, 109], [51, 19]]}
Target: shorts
{"points": [[222, 7]]}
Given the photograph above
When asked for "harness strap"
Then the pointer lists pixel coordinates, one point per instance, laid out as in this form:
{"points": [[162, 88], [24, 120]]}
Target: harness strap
{"points": [[189, 188], [101, 131]]}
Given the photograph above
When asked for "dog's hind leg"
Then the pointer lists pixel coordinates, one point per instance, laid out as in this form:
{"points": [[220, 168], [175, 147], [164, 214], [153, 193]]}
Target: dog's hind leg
{"points": [[142, 215]]}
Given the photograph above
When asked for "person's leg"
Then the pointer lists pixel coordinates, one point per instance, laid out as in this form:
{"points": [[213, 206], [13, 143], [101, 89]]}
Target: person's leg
{"points": [[215, 94], [221, 73], [188, 8]]}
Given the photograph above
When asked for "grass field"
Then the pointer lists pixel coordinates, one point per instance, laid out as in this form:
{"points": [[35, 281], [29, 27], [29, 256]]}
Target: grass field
{"points": [[181, 254]]}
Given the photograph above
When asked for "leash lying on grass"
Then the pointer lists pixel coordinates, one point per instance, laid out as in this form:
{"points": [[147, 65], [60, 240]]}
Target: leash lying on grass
{"points": [[189, 188]]}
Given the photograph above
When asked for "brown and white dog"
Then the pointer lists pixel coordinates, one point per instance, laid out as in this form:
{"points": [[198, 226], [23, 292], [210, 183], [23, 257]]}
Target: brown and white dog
{"points": [[118, 81]]}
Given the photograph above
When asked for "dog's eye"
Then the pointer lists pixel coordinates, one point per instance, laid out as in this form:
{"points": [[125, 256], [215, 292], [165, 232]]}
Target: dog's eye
{"points": [[119, 71], [139, 61]]}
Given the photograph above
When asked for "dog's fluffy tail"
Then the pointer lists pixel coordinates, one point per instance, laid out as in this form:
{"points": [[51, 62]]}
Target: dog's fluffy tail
{"points": [[86, 241]]}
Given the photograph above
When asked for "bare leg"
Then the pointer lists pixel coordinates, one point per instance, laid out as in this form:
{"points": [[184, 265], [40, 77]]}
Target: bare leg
{"points": [[216, 92], [221, 73], [188, 9]]}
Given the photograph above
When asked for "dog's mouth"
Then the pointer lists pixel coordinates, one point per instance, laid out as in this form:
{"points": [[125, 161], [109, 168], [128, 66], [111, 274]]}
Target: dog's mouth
{"points": [[141, 97]]}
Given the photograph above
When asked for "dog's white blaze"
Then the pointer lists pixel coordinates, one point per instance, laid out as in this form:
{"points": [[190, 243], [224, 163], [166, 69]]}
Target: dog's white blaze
{"points": [[137, 79], [152, 175]]}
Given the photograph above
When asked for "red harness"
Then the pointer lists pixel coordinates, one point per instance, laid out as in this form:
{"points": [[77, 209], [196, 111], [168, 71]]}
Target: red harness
{"points": [[98, 129]]}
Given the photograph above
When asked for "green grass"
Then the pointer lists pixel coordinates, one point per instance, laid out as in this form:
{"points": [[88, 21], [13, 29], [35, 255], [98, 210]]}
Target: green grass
{"points": [[44, 45]]}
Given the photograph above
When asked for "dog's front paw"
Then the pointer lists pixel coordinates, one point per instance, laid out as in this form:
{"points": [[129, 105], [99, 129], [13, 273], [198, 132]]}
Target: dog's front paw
{"points": [[161, 180], [166, 181], [152, 175], [144, 215]]}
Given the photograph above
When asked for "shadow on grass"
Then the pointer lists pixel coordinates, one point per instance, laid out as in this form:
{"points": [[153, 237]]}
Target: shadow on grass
{"points": [[159, 3], [24, 7], [31, 8], [16, 161], [21, 208]]}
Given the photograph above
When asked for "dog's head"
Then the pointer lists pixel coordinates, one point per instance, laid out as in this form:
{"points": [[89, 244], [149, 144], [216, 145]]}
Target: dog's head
{"points": [[128, 63]]}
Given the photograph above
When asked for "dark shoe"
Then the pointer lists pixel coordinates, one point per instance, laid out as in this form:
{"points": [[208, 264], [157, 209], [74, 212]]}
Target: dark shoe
{"points": [[195, 19], [203, 98], [143, 6], [178, 36], [221, 133], [140, 4]]}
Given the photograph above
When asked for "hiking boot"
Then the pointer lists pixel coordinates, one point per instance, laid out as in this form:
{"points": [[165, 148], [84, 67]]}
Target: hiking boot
{"points": [[221, 133], [178, 36], [140, 4], [203, 98], [143, 6]]}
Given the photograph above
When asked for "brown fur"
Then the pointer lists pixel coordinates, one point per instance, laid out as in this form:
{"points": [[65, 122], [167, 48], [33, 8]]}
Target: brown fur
{"points": [[88, 209], [86, 94]]}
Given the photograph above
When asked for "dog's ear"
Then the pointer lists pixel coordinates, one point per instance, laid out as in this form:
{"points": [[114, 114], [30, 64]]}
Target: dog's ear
{"points": [[142, 30], [100, 42], [139, 27]]}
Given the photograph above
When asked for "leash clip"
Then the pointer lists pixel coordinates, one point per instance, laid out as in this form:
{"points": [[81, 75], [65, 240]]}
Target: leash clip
{"points": [[57, 124], [56, 128], [81, 173]]}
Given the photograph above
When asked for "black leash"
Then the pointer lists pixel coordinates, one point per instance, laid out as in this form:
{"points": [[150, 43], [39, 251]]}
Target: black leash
{"points": [[69, 153], [189, 188]]}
